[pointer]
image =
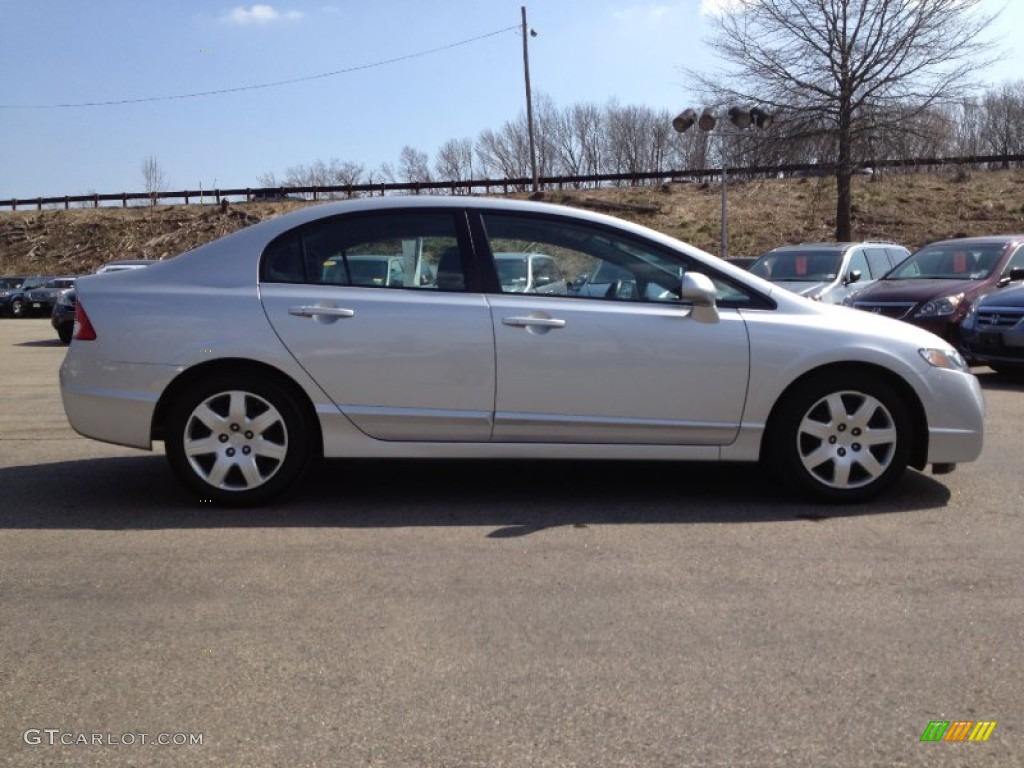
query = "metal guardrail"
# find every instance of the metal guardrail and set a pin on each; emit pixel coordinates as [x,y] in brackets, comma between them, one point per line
[487,186]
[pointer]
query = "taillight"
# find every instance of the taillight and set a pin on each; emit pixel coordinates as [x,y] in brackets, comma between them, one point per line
[83,328]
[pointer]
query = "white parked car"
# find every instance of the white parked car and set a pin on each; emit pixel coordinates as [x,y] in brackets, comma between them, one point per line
[248,359]
[828,272]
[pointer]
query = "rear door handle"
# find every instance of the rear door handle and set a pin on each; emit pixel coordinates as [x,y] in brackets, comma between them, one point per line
[314,311]
[536,322]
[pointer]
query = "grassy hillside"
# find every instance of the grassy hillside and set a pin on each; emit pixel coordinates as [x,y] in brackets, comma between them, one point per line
[912,209]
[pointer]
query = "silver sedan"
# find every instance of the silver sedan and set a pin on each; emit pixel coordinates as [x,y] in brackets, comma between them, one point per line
[254,354]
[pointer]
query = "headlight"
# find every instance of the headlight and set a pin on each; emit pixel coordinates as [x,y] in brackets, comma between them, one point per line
[944,306]
[944,358]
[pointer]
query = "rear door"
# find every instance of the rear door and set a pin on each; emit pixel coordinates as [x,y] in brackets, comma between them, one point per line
[411,359]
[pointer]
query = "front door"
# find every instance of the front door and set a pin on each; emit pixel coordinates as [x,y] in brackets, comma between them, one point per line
[626,362]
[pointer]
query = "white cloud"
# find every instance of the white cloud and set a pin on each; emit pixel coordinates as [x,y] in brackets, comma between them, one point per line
[259,14]
[718,7]
[648,12]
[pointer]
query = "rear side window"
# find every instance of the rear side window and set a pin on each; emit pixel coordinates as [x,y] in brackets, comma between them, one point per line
[409,250]
[879,261]
[859,263]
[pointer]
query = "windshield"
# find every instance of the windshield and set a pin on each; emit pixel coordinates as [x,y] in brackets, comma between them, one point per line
[953,261]
[803,266]
[34,282]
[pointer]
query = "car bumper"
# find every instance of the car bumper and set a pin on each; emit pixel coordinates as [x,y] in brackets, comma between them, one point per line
[955,409]
[62,319]
[999,347]
[122,415]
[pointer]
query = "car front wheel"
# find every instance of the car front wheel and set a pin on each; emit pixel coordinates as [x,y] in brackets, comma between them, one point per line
[17,308]
[841,437]
[237,440]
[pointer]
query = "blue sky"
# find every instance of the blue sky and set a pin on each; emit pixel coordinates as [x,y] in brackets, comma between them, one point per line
[74,51]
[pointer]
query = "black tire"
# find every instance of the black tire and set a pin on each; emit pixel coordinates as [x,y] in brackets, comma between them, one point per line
[243,467]
[18,308]
[842,436]
[64,333]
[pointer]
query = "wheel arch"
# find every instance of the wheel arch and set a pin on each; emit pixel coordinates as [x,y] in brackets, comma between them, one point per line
[919,447]
[234,366]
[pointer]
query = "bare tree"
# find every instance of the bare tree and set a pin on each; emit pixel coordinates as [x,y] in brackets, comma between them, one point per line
[455,160]
[413,165]
[154,178]
[267,179]
[840,68]
[505,152]
[1003,129]
[637,139]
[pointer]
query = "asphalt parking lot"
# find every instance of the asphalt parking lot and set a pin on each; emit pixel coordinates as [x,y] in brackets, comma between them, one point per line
[486,614]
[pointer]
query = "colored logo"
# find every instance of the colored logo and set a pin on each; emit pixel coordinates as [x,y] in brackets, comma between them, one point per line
[958,730]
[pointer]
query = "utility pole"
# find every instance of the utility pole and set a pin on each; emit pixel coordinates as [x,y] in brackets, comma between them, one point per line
[529,100]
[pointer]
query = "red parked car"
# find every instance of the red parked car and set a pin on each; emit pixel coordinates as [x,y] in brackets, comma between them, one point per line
[934,287]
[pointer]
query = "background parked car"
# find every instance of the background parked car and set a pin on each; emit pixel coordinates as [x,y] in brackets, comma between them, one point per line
[743,262]
[828,272]
[992,331]
[934,288]
[63,316]
[9,284]
[14,302]
[122,264]
[39,301]
[528,273]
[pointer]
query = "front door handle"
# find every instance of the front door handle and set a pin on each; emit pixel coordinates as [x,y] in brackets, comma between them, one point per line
[535,322]
[315,311]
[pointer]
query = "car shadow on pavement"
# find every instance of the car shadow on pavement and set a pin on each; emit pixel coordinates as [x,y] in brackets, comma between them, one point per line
[1003,382]
[513,497]
[41,343]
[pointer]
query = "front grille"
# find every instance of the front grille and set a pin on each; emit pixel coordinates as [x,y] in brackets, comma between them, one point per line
[1000,318]
[894,309]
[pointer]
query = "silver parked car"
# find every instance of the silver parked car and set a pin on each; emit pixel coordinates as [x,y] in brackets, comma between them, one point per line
[248,358]
[828,272]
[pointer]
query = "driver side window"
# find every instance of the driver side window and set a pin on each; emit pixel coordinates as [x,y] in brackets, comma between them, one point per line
[552,257]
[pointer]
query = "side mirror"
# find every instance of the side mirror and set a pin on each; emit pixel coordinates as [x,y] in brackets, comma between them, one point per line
[852,277]
[698,289]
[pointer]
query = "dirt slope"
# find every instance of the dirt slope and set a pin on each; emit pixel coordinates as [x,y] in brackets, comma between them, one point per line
[909,208]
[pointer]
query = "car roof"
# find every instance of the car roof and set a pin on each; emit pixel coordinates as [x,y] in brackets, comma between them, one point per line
[833,246]
[979,240]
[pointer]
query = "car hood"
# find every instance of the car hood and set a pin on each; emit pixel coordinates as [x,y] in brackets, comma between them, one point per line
[804,288]
[916,290]
[1006,297]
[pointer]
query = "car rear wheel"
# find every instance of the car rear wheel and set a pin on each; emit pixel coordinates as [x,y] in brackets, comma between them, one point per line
[237,440]
[64,333]
[841,437]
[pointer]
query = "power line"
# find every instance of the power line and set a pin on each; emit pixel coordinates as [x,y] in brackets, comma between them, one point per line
[263,85]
